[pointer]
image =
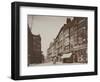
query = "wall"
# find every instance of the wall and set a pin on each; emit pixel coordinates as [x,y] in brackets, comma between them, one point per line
[5,40]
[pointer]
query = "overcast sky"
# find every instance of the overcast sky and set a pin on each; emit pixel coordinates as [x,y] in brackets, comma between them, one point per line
[48,28]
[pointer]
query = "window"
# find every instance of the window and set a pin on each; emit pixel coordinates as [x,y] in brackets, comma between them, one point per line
[75,39]
[82,35]
[66,48]
[66,41]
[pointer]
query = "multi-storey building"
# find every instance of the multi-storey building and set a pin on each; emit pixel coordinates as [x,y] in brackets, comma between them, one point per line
[78,39]
[30,45]
[71,41]
[60,45]
[51,52]
[35,55]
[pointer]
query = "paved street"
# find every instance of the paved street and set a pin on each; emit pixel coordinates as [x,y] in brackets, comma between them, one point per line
[48,63]
[57,63]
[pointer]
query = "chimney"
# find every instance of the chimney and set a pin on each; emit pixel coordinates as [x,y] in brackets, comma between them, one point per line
[68,20]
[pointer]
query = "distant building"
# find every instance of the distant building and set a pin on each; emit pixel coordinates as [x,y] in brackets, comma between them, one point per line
[50,52]
[70,45]
[35,55]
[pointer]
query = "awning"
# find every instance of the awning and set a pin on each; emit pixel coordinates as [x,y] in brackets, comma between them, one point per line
[66,55]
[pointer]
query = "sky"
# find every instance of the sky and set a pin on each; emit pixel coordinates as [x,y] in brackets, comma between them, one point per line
[47,26]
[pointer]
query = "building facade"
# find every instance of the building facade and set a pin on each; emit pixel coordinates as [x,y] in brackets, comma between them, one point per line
[78,39]
[35,55]
[70,45]
[51,52]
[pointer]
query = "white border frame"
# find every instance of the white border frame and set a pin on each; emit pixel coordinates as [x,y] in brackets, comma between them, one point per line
[39,70]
